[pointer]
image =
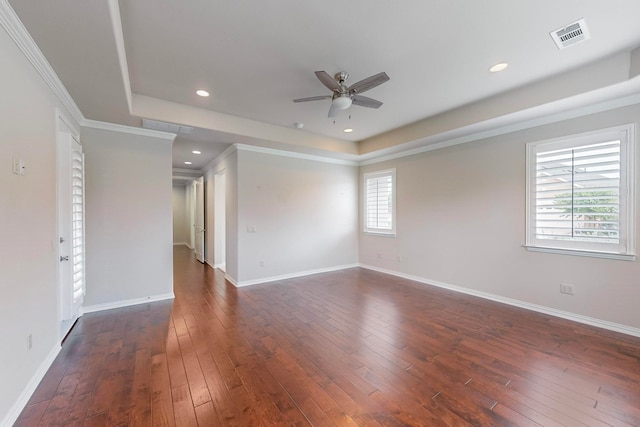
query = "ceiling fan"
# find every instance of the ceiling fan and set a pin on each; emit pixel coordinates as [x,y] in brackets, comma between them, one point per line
[344,96]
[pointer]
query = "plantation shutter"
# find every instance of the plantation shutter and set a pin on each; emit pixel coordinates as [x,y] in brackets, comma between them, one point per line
[77,222]
[379,202]
[578,193]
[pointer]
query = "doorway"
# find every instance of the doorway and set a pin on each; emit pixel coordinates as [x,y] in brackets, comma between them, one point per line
[199,229]
[71,236]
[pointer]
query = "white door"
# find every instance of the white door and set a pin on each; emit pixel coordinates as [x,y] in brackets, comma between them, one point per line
[70,228]
[199,219]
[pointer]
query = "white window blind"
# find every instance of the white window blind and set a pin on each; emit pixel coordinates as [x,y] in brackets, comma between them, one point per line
[379,209]
[579,193]
[77,222]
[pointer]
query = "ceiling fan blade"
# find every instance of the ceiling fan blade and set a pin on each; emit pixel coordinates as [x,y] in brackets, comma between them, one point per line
[368,83]
[365,101]
[313,98]
[332,111]
[327,80]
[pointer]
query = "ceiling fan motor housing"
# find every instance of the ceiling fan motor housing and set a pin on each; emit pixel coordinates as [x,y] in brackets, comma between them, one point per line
[341,77]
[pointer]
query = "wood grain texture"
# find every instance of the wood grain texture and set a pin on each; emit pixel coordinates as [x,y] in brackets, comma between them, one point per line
[348,348]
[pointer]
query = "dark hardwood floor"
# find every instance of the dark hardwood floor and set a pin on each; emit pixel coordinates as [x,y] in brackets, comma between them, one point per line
[348,348]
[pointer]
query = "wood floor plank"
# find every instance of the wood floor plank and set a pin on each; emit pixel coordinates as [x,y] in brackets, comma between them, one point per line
[345,348]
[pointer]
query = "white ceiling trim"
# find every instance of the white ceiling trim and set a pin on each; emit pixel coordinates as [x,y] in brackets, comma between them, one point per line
[590,103]
[167,111]
[303,156]
[116,23]
[16,30]
[213,163]
[94,124]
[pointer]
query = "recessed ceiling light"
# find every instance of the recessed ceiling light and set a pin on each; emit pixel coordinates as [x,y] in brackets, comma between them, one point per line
[498,67]
[298,125]
[196,152]
[202,93]
[188,163]
[348,130]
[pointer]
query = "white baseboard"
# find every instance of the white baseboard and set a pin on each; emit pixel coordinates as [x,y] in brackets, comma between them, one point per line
[28,391]
[230,280]
[181,243]
[293,275]
[126,303]
[592,321]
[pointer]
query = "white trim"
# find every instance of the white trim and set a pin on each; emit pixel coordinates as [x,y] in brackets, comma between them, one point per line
[574,252]
[116,26]
[11,23]
[230,280]
[625,248]
[295,155]
[476,131]
[180,244]
[292,275]
[75,127]
[126,303]
[604,324]
[95,124]
[576,106]
[23,399]
[213,163]
[365,202]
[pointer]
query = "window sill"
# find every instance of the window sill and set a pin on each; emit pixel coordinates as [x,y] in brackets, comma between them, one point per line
[380,233]
[607,255]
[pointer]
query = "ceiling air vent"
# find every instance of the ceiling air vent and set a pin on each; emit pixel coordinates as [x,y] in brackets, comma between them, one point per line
[166,127]
[571,34]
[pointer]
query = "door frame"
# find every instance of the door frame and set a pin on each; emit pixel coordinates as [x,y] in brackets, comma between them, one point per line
[219,220]
[64,127]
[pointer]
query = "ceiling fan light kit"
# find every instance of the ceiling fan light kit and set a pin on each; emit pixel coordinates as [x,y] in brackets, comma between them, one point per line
[343,97]
[342,102]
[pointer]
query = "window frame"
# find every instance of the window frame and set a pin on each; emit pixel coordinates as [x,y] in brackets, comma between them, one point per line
[625,249]
[374,230]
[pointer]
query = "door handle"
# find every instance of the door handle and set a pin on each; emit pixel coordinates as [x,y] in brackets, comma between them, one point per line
[64,258]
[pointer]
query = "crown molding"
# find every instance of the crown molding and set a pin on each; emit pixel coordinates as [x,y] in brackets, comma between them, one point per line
[485,130]
[213,163]
[16,30]
[295,155]
[94,124]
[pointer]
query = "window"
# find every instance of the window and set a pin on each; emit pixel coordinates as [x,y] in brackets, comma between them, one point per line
[580,194]
[380,202]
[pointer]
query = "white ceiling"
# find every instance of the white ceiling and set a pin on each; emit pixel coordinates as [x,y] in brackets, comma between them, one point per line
[255,57]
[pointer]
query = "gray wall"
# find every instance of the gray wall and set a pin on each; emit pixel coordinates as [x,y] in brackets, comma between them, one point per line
[461,222]
[180,220]
[304,212]
[128,216]
[28,229]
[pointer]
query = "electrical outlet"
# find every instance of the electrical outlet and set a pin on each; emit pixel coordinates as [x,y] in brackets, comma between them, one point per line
[30,342]
[565,288]
[262,263]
